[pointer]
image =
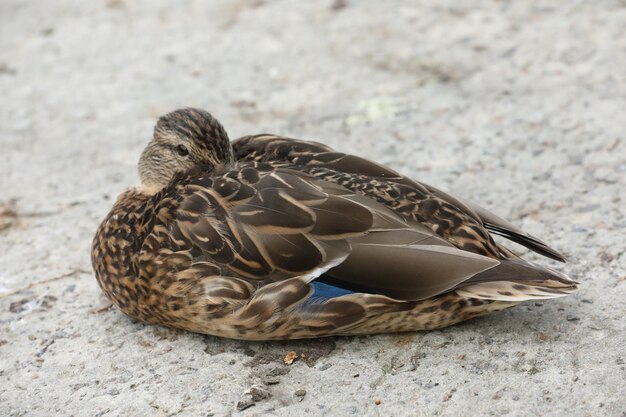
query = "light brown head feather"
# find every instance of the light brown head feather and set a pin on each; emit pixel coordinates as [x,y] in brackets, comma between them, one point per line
[183,140]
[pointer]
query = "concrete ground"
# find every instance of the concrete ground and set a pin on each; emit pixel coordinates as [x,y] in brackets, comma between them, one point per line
[517,105]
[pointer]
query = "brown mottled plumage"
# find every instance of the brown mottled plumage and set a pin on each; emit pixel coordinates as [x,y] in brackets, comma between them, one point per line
[276,238]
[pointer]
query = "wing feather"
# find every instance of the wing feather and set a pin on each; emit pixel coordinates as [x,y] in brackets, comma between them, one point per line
[276,148]
[498,225]
[278,224]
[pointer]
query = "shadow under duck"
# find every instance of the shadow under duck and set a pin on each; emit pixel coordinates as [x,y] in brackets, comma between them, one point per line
[274,238]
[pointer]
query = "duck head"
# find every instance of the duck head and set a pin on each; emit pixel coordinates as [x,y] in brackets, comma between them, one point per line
[183,140]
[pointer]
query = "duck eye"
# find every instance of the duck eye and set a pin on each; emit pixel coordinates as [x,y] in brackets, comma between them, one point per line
[182,150]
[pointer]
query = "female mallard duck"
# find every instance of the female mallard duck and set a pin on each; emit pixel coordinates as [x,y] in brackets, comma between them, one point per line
[276,238]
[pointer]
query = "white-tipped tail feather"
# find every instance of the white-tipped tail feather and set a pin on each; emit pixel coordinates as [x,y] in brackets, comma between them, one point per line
[518,291]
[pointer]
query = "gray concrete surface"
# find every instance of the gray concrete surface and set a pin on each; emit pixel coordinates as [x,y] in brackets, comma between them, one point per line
[518,105]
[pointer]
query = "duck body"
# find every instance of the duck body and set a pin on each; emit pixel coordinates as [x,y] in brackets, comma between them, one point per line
[289,239]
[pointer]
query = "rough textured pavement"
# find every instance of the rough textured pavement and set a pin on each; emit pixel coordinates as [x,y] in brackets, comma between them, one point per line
[517,105]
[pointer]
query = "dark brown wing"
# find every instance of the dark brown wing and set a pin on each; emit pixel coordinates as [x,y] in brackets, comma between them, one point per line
[498,225]
[267,224]
[267,147]
[464,224]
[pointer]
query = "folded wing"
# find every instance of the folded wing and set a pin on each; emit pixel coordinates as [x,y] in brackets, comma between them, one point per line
[275,224]
[317,156]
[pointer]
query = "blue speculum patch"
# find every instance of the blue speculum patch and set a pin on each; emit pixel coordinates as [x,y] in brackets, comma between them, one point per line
[323,291]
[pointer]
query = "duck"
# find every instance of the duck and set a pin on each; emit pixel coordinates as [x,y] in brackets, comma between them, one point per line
[268,237]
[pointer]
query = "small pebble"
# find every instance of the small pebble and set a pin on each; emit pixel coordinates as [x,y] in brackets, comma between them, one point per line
[244,402]
[271,381]
[272,376]
[18,306]
[300,394]
[571,317]
[251,396]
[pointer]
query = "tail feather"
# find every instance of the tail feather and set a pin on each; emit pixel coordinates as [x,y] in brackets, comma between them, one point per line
[517,270]
[518,291]
[517,280]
